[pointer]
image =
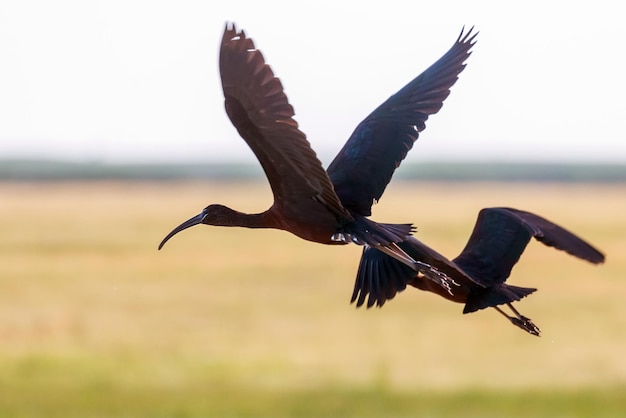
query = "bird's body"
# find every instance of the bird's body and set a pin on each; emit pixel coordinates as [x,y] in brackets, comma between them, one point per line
[480,271]
[328,207]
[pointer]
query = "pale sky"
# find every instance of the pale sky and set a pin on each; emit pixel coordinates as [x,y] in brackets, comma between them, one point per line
[138,81]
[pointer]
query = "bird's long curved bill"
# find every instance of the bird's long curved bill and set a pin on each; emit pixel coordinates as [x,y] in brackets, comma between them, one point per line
[187,224]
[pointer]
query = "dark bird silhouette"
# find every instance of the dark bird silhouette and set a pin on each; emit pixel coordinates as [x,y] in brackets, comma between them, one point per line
[328,207]
[479,272]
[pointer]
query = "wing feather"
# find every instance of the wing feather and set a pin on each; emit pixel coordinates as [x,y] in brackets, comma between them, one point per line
[362,169]
[258,107]
[501,235]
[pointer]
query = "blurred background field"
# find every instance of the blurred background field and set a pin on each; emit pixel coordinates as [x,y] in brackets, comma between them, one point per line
[94,321]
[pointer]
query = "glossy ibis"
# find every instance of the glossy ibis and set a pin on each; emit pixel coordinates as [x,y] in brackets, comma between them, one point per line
[480,271]
[328,207]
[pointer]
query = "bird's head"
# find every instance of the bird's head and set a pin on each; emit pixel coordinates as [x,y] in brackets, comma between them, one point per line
[211,215]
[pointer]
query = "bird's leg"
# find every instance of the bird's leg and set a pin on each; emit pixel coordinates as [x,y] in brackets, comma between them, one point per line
[527,324]
[520,320]
[429,272]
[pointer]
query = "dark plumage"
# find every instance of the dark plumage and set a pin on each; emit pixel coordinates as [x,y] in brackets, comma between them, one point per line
[479,272]
[328,207]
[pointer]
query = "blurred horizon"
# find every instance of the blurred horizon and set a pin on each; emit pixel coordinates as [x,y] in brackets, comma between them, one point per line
[439,171]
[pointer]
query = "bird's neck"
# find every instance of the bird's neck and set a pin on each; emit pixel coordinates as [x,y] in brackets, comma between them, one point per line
[231,217]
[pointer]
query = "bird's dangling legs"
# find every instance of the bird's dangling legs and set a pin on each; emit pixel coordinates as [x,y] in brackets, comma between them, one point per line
[520,320]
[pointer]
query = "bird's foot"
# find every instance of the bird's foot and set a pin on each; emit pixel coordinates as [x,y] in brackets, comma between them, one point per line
[526,324]
[439,277]
[520,320]
[447,283]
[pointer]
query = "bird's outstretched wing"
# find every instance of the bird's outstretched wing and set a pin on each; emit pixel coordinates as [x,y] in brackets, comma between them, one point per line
[259,109]
[362,169]
[500,236]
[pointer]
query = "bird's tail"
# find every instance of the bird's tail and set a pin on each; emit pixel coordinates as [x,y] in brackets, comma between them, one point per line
[365,231]
[495,295]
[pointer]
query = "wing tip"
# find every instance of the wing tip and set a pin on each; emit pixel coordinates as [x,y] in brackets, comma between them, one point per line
[579,247]
[468,37]
[230,29]
[596,257]
[232,33]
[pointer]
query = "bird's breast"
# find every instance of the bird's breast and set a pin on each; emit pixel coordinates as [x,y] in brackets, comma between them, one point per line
[320,233]
[314,223]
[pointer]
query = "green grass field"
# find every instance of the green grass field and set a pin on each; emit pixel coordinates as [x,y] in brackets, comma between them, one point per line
[228,322]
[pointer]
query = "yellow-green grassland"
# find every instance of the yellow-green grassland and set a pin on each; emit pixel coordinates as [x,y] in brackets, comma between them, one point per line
[232,322]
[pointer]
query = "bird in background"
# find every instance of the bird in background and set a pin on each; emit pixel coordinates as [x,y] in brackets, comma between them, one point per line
[327,206]
[498,240]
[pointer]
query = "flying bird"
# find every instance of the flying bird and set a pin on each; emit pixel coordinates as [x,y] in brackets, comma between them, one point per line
[479,273]
[326,206]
